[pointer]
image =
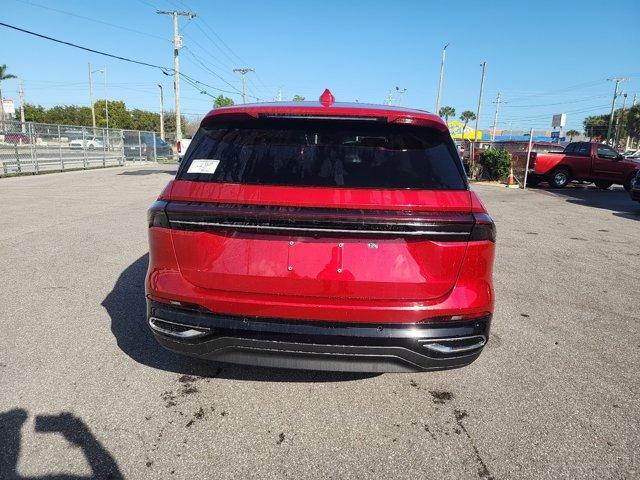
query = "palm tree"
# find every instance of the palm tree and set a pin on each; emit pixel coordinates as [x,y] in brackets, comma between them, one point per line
[572,133]
[466,117]
[447,112]
[3,76]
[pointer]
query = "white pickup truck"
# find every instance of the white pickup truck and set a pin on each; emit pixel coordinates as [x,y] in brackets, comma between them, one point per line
[182,146]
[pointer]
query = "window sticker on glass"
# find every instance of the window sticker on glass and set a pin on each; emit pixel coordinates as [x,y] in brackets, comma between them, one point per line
[203,166]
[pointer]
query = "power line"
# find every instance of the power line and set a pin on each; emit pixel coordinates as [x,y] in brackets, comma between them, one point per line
[165,70]
[559,103]
[212,72]
[243,72]
[97,52]
[218,37]
[617,81]
[113,25]
[592,83]
[177,45]
[215,43]
[226,45]
[535,117]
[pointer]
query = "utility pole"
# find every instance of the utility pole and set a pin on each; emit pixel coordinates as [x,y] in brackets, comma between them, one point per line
[617,81]
[401,92]
[243,72]
[389,98]
[177,45]
[495,118]
[161,112]
[438,95]
[21,104]
[620,118]
[106,102]
[484,66]
[93,110]
[633,104]
[279,97]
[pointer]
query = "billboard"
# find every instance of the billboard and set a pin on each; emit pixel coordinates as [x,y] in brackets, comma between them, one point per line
[559,120]
[455,127]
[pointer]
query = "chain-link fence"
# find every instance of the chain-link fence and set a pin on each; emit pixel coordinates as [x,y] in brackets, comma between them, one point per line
[518,150]
[36,147]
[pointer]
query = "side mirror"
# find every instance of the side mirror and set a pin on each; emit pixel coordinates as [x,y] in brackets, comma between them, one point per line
[620,157]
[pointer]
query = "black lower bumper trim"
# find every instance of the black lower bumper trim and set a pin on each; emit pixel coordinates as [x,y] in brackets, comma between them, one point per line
[315,345]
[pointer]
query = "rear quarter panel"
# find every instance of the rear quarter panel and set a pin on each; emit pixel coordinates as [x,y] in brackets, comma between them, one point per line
[546,162]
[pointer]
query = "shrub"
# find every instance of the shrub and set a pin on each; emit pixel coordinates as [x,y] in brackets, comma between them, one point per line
[495,163]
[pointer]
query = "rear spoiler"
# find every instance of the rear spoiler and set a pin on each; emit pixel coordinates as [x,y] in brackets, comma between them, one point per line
[400,118]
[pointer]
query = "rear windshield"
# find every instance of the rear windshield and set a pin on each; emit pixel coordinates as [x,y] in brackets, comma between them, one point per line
[322,153]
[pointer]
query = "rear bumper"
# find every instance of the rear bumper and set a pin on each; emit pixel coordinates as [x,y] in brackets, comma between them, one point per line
[335,346]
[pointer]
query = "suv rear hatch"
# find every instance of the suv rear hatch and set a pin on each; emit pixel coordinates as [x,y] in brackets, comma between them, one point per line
[348,208]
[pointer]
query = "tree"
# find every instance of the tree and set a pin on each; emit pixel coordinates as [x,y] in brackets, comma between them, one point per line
[143,120]
[595,126]
[466,117]
[170,121]
[119,116]
[222,101]
[447,112]
[298,98]
[68,115]
[35,113]
[3,76]
[571,134]
[633,122]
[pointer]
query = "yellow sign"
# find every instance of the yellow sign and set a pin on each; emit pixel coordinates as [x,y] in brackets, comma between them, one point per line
[455,127]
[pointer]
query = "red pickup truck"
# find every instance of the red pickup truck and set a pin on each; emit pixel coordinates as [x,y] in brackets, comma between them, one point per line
[592,162]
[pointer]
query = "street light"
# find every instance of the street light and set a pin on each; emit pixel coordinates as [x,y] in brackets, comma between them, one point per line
[400,94]
[106,103]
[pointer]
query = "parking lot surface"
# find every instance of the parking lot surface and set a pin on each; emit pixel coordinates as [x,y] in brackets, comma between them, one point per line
[87,392]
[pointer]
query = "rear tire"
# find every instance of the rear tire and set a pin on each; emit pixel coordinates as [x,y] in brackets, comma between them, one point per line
[603,185]
[559,178]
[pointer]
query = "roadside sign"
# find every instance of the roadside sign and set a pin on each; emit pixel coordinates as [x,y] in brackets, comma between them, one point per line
[9,109]
[559,120]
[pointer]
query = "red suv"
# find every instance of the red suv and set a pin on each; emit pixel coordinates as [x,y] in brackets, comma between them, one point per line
[325,236]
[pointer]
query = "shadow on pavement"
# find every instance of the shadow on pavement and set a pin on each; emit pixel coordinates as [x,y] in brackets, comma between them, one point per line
[126,306]
[73,429]
[147,172]
[617,200]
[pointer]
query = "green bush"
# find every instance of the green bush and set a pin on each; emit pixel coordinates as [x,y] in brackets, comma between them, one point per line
[495,163]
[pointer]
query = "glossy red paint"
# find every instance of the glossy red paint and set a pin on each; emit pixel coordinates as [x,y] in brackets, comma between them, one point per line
[331,278]
[392,114]
[472,294]
[366,199]
[590,166]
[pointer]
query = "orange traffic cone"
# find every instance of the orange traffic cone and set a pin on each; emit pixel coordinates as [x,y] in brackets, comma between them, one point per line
[511,180]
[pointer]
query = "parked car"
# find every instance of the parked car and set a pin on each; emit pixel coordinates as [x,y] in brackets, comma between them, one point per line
[140,146]
[630,153]
[635,188]
[634,155]
[17,138]
[87,144]
[181,147]
[584,161]
[321,235]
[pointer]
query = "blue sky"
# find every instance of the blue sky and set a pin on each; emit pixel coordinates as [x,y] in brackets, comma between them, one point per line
[544,57]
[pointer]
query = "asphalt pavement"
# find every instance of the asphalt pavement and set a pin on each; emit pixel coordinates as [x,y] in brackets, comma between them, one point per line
[87,393]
